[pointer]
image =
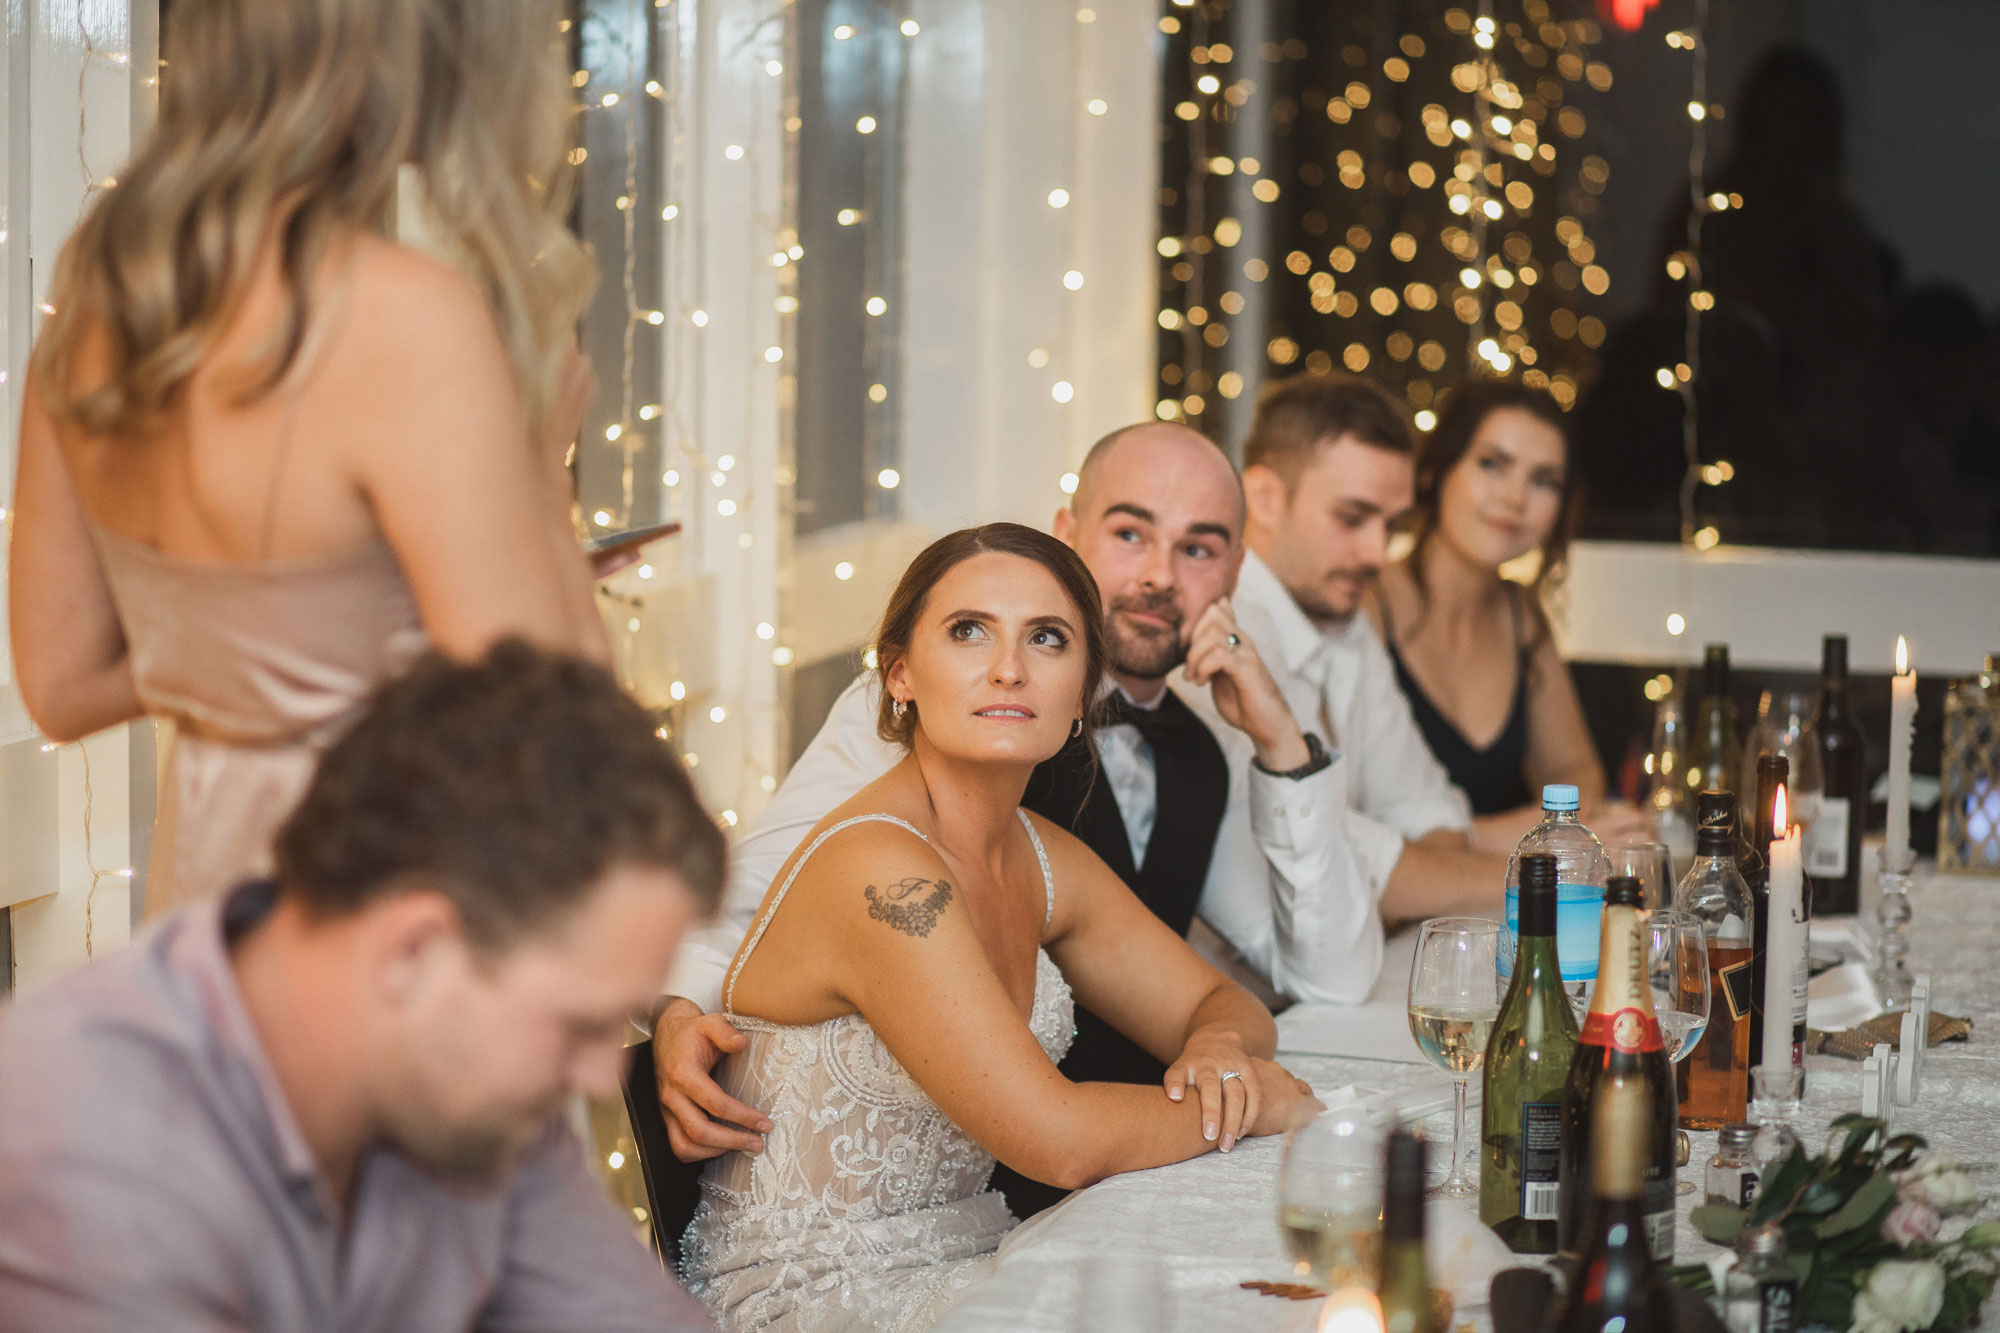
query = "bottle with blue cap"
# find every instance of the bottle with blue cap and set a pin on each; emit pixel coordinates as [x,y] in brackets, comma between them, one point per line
[1581,871]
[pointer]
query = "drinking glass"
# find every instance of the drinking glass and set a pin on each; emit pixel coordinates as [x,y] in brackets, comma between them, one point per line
[1651,863]
[1454,998]
[1781,729]
[1330,1199]
[1677,974]
[1668,799]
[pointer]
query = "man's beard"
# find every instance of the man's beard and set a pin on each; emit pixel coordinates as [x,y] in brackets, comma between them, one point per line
[474,1157]
[1149,654]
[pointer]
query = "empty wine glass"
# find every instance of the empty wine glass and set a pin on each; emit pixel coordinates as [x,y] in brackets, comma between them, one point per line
[1330,1199]
[1650,863]
[1677,974]
[1454,998]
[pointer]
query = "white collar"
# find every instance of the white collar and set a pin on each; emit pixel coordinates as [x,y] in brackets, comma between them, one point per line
[1299,637]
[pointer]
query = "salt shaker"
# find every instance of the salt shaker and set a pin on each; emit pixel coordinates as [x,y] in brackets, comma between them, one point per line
[1732,1176]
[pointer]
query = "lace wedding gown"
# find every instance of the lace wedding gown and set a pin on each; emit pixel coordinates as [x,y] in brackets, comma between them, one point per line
[868,1208]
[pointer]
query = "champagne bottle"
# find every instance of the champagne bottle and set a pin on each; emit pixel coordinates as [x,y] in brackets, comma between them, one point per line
[1404,1288]
[1715,1079]
[1772,772]
[1618,1288]
[1716,753]
[1833,840]
[1527,1064]
[1620,1045]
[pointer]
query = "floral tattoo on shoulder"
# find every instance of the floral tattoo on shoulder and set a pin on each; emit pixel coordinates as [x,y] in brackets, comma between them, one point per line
[909,905]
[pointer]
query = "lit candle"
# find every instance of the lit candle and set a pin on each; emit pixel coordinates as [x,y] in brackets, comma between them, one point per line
[1896,854]
[1782,942]
[1351,1310]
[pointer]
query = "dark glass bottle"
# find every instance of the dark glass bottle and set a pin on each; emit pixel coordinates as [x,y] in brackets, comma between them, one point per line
[1620,1045]
[1404,1288]
[1833,841]
[1772,771]
[1715,756]
[1527,1063]
[1618,1287]
[1715,1078]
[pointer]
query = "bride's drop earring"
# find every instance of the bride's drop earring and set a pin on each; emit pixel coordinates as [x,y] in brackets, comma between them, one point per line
[1076,728]
[899,707]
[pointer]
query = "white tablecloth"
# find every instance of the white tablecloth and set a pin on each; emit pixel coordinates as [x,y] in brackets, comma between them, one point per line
[1199,1228]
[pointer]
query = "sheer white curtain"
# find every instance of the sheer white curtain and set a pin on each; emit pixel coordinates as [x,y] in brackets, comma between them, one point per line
[75,86]
[1016,284]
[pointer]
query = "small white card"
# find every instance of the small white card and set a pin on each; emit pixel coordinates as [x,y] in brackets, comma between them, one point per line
[1910,1062]
[1885,1079]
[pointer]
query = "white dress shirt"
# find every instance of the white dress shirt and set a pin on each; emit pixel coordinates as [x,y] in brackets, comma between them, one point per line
[1273,848]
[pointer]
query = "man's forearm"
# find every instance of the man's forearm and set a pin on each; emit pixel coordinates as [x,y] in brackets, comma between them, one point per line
[1433,881]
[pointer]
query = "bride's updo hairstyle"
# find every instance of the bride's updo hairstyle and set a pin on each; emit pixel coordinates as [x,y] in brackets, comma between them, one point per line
[906,608]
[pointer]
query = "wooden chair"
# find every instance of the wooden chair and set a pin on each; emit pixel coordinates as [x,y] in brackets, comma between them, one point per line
[673,1188]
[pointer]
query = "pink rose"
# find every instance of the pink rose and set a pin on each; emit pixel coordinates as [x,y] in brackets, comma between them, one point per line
[1912,1222]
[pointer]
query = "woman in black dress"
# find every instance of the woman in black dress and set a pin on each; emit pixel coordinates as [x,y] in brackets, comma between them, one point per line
[1496,490]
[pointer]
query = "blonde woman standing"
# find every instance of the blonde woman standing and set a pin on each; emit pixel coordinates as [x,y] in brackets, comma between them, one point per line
[268,454]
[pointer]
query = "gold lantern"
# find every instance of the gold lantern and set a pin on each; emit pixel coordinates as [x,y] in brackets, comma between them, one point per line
[1969,814]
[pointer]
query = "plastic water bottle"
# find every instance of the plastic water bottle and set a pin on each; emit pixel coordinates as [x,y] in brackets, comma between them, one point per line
[1581,870]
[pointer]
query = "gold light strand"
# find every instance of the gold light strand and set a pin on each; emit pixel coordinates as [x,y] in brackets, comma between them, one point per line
[1683,377]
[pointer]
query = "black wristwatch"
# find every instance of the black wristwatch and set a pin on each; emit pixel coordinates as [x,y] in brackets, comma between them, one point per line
[1316,759]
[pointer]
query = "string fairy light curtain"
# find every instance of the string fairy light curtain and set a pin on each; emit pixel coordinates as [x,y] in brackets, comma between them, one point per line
[1406,190]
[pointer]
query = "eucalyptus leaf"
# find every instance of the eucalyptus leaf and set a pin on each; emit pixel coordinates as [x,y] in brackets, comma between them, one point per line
[1864,1206]
[1718,1223]
[1775,1194]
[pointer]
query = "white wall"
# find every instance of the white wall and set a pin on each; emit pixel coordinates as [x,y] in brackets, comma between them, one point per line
[71,829]
[1771,607]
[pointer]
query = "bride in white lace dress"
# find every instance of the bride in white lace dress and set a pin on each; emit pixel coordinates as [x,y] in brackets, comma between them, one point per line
[904,993]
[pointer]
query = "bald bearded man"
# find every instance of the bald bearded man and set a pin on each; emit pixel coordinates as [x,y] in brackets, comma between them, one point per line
[1238,819]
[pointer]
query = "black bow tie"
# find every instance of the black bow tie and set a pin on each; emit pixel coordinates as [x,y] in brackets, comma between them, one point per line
[1153,723]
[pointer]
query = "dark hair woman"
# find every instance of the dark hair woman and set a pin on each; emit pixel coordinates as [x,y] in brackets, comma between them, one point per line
[1496,485]
[906,991]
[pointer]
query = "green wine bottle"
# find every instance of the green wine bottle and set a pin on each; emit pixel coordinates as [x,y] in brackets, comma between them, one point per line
[1404,1288]
[1527,1066]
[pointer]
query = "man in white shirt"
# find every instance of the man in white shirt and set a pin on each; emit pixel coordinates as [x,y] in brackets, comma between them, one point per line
[1248,814]
[1328,470]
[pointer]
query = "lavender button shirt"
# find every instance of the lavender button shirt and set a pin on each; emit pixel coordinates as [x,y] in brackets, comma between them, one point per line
[153,1177]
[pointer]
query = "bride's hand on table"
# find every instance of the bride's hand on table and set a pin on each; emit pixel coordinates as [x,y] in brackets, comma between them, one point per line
[1264,1098]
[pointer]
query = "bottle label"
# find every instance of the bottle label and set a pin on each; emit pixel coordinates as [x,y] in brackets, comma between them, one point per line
[1579,913]
[1777,1307]
[1629,1030]
[1660,1230]
[1735,986]
[1541,1160]
[1826,840]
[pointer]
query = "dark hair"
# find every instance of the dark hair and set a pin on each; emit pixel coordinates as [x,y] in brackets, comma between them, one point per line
[1296,416]
[906,607]
[511,784]
[1463,411]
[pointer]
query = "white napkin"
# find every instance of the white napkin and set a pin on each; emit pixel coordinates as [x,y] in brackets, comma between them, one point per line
[1378,1030]
[1841,998]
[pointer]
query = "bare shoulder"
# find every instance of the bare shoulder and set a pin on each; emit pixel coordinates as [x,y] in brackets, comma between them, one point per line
[416,315]
[877,876]
[1079,873]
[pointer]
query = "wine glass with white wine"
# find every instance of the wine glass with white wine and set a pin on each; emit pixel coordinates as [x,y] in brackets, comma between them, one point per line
[1454,998]
[1677,972]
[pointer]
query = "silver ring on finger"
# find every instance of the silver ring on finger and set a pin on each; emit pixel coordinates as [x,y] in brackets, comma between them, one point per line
[1235,641]
[1228,1074]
